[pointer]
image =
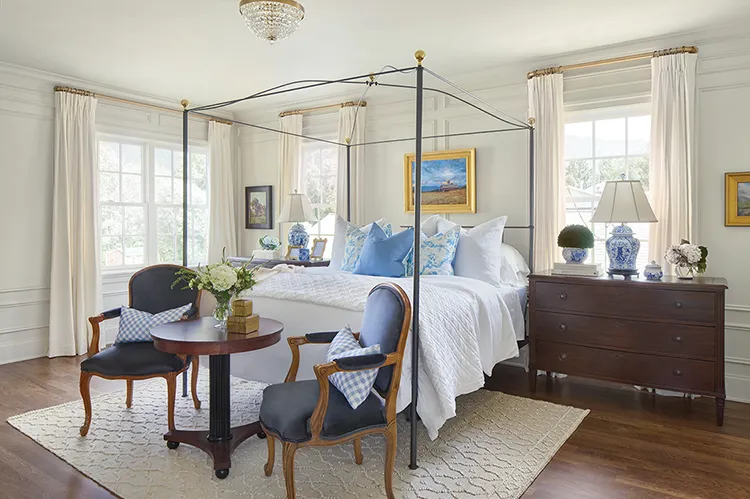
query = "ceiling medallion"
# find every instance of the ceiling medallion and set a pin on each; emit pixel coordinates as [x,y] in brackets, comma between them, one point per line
[272,20]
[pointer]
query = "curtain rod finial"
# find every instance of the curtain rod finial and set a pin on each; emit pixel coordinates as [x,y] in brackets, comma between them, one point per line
[532,121]
[419,55]
[348,141]
[184,103]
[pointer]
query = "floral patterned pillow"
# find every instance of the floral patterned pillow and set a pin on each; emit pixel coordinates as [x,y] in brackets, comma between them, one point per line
[355,240]
[436,255]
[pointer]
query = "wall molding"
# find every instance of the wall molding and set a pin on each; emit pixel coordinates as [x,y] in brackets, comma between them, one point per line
[737,308]
[22,328]
[23,290]
[24,303]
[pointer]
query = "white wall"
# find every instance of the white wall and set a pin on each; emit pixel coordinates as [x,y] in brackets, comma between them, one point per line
[722,145]
[26,148]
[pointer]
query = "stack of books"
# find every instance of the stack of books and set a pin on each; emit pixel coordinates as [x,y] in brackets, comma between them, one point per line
[585,269]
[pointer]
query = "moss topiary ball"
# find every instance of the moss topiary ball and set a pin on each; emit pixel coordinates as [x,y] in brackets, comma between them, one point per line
[575,236]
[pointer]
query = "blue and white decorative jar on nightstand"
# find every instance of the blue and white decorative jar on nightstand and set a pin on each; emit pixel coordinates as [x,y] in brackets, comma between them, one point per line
[575,255]
[304,254]
[622,249]
[653,271]
[298,236]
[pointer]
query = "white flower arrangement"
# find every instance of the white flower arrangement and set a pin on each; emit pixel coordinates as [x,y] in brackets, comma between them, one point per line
[686,254]
[269,242]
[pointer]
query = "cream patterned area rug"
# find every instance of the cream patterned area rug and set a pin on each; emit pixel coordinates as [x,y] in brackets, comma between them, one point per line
[495,448]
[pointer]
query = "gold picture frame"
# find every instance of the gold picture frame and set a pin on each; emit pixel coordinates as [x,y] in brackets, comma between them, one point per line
[449,182]
[292,252]
[318,248]
[737,199]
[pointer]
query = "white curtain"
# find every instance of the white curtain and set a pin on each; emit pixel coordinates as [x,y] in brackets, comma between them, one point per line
[352,127]
[75,280]
[290,147]
[672,173]
[222,226]
[546,107]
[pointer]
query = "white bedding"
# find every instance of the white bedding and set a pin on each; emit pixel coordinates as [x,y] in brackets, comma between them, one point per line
[466,328]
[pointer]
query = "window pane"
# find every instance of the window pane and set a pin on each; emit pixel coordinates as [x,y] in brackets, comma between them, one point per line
[610,137]
[329,161]
[165,248]
[111,251]
[579,140]
[165,221]
[608,169]
[132,157]
[198,224]
[638,170]
[109,187]
[328,190]
[163,162]
[177,190]
[177,164]
[163,190]
[197,165]
[639,135]
[313,189]
[111,220]
[135,221]
[579,174]
[135,253]
[109,156]
[198,191]
[132,189]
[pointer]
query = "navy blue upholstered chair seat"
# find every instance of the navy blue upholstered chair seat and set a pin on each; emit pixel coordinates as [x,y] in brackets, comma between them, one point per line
[312,413]
[133,359]
[288,407]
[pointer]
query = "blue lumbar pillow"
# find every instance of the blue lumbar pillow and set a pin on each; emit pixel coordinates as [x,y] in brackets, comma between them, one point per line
[354,385]
[135,325]
[384,256]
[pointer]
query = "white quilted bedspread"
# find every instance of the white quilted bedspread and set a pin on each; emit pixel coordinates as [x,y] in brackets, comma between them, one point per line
[465,329]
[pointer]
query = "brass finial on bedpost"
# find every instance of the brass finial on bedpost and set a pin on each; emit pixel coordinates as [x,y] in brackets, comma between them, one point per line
[348,141]
[419,55]
[184,103]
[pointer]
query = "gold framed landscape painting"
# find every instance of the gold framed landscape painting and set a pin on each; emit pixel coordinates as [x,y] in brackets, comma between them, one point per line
[737,199]
[449,183]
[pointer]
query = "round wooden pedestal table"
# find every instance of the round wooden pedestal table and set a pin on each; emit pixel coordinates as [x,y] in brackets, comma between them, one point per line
[201,337]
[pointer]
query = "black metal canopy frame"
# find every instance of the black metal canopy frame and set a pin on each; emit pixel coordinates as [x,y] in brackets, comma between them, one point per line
[371,80]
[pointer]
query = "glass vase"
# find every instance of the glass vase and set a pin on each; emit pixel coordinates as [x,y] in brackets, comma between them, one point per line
[685,271]
[222,311]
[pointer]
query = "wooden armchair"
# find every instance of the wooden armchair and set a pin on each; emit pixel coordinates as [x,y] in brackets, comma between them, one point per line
[149,290]
[315,413]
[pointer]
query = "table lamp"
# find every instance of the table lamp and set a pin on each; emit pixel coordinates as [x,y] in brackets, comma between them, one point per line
[297,209]
[623,201]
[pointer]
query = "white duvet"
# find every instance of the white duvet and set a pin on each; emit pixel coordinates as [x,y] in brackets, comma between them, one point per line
[466,328]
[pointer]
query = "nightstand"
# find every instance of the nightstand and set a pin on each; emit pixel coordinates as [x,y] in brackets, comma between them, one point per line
[238,260]
[661,334]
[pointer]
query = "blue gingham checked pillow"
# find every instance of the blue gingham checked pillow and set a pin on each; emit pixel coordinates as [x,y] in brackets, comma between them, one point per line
[354,385]
[135,325]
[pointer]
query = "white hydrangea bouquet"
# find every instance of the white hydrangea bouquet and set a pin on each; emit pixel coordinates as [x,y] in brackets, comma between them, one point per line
[687,258]
[223,280]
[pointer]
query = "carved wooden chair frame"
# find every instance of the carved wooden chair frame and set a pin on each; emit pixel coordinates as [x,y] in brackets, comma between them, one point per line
[322,372]
[171,378]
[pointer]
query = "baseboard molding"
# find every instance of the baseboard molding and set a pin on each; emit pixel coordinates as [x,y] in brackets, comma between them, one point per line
[738,388]
[19,351]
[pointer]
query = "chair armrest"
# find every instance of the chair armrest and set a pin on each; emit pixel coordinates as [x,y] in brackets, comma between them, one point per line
[320,338]
[95,331]
[111,314]
[360,362]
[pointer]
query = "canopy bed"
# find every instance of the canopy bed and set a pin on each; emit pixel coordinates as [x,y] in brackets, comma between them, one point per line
[506,124]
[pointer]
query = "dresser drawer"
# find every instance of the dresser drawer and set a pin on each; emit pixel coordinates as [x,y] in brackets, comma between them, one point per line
[634,301]
[636,368]
[645,337]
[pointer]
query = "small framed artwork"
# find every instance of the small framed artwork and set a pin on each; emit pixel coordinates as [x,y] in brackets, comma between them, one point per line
[449,183]
[292,252]
[318,248]
[259,207]
[737,199]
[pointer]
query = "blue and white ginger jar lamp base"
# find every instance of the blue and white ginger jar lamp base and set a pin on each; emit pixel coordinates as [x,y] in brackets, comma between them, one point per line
[298,236]
[575,255]
[622,248]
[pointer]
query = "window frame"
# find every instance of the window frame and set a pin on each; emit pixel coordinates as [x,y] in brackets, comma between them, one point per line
[314,230]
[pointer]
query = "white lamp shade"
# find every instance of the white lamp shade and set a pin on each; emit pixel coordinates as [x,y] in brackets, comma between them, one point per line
[296,209]
[624,201]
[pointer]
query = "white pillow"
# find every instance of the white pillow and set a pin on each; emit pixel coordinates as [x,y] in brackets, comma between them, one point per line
[515,271]
[429,225]
[479,254]
[339,239]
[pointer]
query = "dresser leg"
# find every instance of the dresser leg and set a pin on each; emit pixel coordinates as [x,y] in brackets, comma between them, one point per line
[532,379]
[719,411]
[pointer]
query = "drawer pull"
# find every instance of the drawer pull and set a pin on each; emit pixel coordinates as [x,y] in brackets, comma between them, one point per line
[563,327]
[562,356]
[677,372]
[563,296]
[678,304]
[678,339]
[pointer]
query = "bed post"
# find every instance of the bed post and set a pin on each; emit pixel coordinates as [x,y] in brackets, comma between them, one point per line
[531,193]
[419,55]
[185,115]
[348,180]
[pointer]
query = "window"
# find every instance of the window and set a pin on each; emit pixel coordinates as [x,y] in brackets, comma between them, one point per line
[319,171]
[140,203]
[598,150]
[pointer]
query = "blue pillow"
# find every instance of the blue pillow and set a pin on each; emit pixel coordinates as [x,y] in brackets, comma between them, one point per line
[135,325]
[355,239]
[384,256]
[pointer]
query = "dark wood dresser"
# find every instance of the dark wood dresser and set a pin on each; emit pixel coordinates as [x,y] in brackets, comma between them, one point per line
[661,334]
[238,261]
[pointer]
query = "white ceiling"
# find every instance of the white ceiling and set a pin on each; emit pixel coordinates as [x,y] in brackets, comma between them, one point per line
[201,49]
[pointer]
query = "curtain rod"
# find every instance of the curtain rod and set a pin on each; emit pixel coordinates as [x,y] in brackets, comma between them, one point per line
[613,60]
[78,91]
[320,108]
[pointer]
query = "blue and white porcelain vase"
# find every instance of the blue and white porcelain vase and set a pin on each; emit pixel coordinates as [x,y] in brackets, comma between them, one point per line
[575,255]
[298,236]
[622,249]
[304,254]
[653,271]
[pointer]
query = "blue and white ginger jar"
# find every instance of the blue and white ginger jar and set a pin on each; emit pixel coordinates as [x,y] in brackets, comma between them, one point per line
[653,271]
[575,255]
[622,248]
[298,236]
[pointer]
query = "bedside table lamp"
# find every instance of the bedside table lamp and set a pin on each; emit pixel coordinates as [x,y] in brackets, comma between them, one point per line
[623,201]
[297,209]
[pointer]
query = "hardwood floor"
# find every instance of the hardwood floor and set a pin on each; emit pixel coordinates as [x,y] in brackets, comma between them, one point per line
[632,445]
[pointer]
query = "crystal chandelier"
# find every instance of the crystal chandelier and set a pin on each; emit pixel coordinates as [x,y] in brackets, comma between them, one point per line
[272,20]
